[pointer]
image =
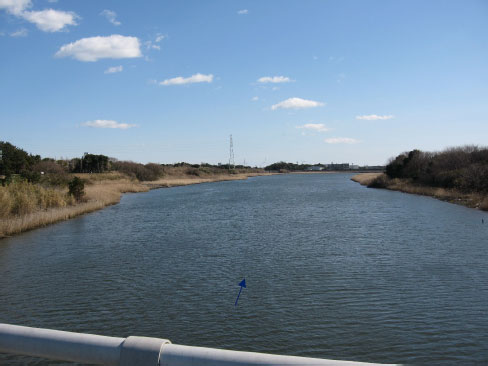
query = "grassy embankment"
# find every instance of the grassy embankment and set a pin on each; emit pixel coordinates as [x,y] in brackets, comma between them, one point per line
[381,180]
[25,206]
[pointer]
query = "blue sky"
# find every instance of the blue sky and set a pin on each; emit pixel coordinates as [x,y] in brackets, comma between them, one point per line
[307,81]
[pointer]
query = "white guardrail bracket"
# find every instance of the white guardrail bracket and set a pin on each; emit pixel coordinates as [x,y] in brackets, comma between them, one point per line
[141,351]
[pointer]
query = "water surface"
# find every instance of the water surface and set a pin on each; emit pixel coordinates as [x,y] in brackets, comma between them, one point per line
[333,270]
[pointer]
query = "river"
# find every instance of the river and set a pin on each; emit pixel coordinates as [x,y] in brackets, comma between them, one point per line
[333,270]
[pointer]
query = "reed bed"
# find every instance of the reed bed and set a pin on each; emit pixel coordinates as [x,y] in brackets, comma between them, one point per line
[25,206]
[174,181]
[365,178]
[381,180]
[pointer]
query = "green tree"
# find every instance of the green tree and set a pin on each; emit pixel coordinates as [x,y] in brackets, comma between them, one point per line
[77,188]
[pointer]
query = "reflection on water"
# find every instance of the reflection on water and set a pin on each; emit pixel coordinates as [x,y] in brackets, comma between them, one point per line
[333,270]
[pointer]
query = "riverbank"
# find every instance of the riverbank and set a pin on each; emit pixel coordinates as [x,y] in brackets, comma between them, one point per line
[102,190]
[380,180]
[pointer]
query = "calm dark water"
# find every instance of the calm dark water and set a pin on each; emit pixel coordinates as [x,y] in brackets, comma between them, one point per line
[333,270]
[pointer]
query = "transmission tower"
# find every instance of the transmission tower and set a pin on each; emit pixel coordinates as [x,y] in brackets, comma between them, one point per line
[231,154]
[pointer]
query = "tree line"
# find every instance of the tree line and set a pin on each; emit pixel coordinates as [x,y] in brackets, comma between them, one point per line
[33,168]
[463,168]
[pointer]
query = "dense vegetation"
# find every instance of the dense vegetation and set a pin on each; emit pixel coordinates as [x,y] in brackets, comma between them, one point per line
[462,168]
[16,163]
[31,184]
[283,166]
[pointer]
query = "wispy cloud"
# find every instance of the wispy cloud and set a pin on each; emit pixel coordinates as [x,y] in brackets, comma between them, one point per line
[95,48]
[197,78]
[111,16]
[114,69]
[255,99]
[151,45]
[341,140]
[296,103]
[19,33]
[103,123]
[243,12]
[340,77]
[319,127]
[374,117]
[274,79]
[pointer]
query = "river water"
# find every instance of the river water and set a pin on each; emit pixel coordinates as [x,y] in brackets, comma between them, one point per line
[333,270]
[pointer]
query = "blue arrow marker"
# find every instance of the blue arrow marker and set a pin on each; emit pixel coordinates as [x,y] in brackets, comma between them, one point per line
[242,284]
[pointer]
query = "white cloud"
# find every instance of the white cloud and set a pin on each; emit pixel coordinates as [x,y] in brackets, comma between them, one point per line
[95,48]
[113,69]
[255,99]
[15,7]
[50,20]
[111,16]
[341,140]
[20,33]
[319,127]
[296,103]
[103,123]
[274,79]
[159,37]
[374,117]
[243,12]
[197,78]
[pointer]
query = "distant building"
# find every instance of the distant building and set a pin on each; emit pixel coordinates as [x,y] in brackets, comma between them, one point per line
[343,166]
[315,168]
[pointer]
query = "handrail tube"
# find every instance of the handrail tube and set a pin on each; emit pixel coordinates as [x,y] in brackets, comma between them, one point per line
[60,345]
[136,351]
[178,355]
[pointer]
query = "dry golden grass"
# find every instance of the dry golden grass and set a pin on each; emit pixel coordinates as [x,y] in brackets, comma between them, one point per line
[365,178]
[474,200]
[101,190]
[174,181]
[42,206]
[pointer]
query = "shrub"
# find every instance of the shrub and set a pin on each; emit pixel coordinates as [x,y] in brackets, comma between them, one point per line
[380,181]
[141,172]
[77,188]
[193,171]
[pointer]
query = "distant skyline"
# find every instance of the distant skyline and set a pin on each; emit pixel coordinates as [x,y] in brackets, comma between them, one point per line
[299,81]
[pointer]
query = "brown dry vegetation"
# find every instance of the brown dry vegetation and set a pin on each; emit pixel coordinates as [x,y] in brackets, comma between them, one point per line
[381,180]
[25,206]
[365,178]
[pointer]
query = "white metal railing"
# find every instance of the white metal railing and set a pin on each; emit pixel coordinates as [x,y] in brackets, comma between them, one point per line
[135,351]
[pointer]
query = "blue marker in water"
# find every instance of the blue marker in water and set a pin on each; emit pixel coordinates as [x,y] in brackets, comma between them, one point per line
[242,284]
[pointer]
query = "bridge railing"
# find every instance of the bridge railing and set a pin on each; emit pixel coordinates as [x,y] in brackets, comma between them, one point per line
[135,351]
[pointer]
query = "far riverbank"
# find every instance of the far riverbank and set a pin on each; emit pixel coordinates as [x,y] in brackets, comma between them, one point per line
[380,180]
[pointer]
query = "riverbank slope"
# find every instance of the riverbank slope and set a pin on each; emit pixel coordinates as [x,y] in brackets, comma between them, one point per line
[102,190]
[381,180]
